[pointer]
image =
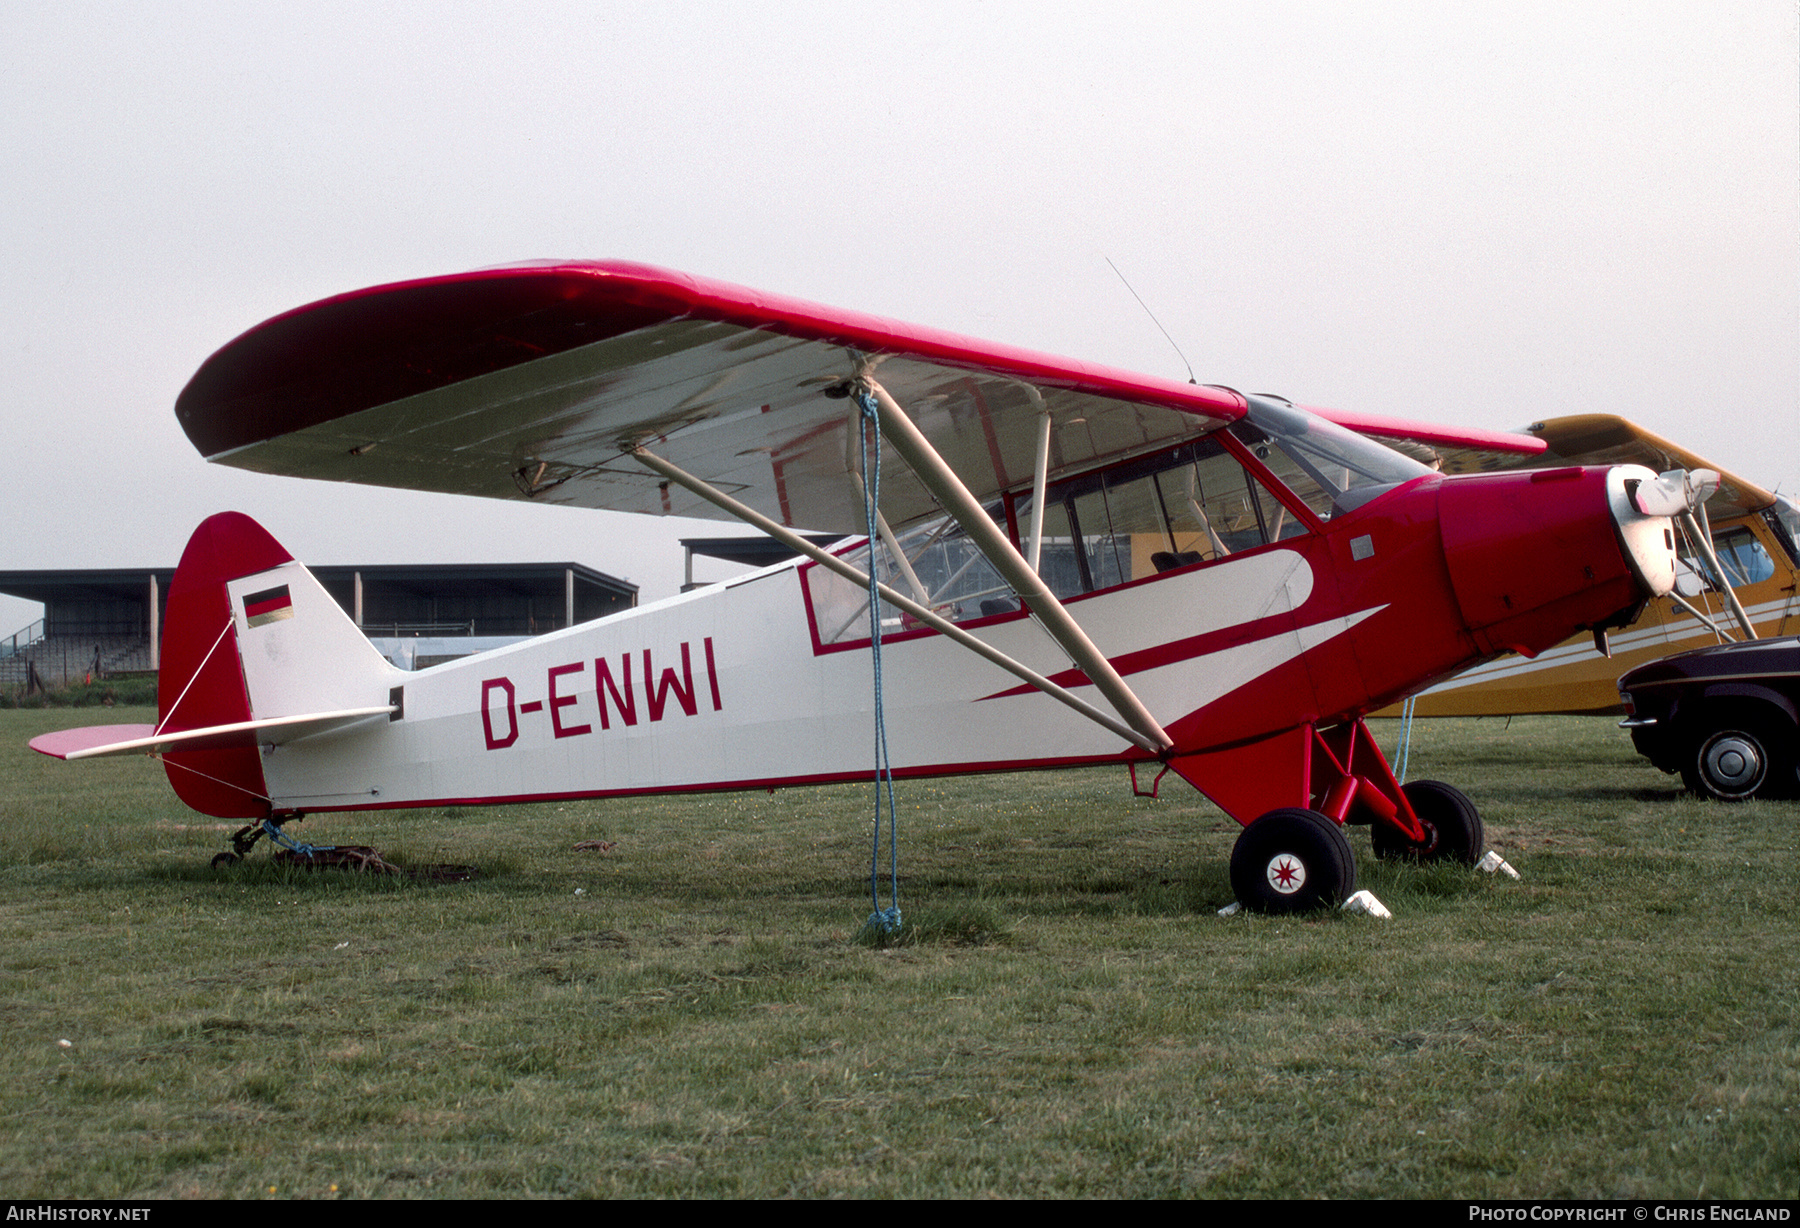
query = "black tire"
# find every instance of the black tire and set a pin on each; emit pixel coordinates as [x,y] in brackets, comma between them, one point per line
[1452,826]
[1292,860]
[225,859]
[1739,755]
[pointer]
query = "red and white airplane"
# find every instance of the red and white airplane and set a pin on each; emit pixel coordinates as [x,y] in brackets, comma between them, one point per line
[1078,565]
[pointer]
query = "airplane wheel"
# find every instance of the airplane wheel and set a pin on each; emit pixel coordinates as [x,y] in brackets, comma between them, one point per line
[225,859]
[1452,826]
[1738,758]
[1292,860]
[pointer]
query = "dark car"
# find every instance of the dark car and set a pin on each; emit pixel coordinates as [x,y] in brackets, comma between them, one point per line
[1725,717]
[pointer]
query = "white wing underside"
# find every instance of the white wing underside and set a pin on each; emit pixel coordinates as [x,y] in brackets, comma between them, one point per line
[746,408]
[538,382]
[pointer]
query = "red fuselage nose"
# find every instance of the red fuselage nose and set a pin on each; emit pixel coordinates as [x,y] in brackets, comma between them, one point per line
[1534,557]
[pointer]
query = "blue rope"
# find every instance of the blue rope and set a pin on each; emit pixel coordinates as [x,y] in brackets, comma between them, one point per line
[882,920]
[1406,720]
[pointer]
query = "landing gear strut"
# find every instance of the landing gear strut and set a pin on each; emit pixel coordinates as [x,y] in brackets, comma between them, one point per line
[1452,826]
[244,839]
[1297,857]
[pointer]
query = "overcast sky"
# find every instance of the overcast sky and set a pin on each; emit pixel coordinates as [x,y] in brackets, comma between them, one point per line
[1482,214]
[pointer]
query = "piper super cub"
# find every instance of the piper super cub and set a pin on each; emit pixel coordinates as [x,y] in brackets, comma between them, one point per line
[1075,565]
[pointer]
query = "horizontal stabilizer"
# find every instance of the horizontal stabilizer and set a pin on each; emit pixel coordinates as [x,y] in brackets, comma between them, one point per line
[96,741]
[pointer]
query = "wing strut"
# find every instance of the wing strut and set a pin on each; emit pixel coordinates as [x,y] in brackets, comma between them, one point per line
[1719,633]
[888,539]
[1682,494]
[1703,542]
[1040,475]
[955,498]
[793,541]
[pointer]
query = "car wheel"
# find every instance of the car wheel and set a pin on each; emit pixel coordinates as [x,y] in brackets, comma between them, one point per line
[1292,860]
[1452,826]
[1741,756]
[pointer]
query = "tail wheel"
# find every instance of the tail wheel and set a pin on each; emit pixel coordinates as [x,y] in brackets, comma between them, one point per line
[1292,860]
[1452,826]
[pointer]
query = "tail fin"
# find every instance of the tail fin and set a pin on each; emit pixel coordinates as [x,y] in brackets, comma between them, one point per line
[250,636]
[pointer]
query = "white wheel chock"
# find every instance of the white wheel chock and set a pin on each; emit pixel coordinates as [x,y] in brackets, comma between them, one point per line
[1365,902]
[1494,863]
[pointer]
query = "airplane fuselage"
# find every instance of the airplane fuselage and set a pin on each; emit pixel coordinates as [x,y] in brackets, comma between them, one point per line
[736,686]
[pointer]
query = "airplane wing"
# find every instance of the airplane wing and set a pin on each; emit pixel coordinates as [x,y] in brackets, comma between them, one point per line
[1603,439]
[537,381]
[1580,439]
[1448,449]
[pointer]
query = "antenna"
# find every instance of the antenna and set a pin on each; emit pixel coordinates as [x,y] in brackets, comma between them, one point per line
[1155,321]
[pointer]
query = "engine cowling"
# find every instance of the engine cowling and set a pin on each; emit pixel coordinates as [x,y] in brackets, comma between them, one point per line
[1533,555]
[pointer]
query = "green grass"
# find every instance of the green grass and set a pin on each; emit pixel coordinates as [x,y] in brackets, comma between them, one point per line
[688,1014]
[118,691]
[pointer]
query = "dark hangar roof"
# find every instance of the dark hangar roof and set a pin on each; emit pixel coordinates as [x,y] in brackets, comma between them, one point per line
[497,598]
[757,551]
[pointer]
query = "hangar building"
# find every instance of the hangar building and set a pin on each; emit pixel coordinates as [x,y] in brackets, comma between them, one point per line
[108,621]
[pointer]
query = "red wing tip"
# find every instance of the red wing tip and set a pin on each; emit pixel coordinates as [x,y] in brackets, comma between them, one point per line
[64,742]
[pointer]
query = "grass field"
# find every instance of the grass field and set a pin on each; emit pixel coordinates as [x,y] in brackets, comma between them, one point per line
[686,1014]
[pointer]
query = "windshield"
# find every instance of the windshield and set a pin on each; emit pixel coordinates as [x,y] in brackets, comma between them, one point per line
[1784,518]
[1331,467]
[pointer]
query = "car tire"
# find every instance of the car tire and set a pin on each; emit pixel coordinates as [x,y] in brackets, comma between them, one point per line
[1737,755]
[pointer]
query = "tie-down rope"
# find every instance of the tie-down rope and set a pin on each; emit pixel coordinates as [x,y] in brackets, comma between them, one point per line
[883,921]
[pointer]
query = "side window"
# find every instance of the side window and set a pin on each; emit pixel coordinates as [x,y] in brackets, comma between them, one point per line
[1192,504]
[1058,566]
[1743,557]
[1098,551]
[1282,524]
[938,566]
[1195,504]
[1215,509]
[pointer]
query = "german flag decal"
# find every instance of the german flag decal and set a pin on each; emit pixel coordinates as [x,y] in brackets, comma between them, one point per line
[269,606]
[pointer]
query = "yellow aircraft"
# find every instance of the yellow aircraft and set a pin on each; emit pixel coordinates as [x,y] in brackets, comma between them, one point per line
[1749,580]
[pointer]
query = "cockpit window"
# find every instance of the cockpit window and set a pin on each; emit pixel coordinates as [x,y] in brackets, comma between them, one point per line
[1191,504]
[1744,559]
[1332,468]
[1784,518]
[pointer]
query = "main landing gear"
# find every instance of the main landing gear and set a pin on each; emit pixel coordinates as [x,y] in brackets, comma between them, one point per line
[1297,858]
[1452,826]
[1292,860]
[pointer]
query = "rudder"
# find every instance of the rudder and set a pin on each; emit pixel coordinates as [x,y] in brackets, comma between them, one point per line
[249,634]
